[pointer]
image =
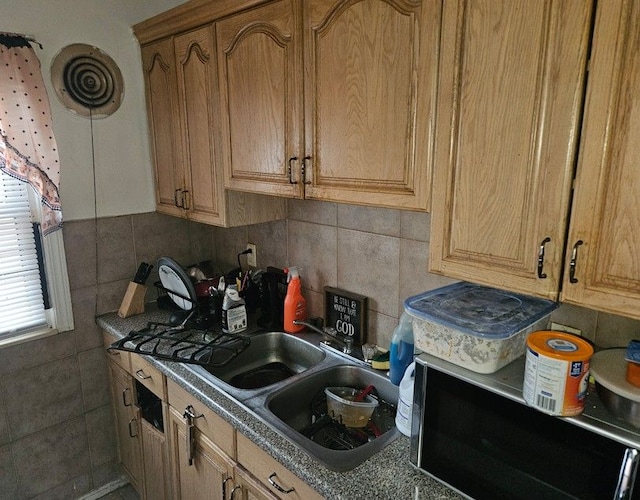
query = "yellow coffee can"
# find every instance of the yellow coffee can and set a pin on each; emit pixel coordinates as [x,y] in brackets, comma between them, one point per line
[556,372]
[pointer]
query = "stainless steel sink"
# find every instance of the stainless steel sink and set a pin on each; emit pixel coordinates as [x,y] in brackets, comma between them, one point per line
[270,358]
[293,411]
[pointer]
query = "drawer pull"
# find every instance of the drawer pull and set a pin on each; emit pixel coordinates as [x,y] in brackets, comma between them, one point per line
[273,483]
[224,487]
[131,434]
[304,169]
[124,397]
[141,375]
[233,491]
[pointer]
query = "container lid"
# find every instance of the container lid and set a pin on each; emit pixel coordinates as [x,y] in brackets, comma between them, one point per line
[559,345]
[479,310]
[608,367]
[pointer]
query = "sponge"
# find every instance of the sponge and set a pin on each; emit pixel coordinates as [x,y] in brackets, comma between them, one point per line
[380,361]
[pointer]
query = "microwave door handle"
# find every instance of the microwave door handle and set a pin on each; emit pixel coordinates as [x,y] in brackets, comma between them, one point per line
[627,476]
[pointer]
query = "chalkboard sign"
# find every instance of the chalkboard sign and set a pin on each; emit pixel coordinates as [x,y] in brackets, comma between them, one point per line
[346,312]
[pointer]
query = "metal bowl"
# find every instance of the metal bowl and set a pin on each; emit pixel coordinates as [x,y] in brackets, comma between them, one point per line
[623,408]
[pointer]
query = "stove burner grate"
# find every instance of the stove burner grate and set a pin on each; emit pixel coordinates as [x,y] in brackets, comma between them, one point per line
[184,345]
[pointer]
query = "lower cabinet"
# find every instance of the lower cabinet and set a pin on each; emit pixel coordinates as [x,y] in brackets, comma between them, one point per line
[127,424]
[173,446]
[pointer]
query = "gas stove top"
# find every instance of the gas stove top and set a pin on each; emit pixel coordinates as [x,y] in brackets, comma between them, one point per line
[184,344]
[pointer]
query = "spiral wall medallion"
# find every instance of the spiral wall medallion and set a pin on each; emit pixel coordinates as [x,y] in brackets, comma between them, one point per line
[87,81]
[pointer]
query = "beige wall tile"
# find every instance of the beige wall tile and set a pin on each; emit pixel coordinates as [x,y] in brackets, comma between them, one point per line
[312,248]
[576,317]
[318,212]
[415,225]
[48,394]
[229,243]
[271,239]
[37,352]
[52,457]
[80,249]
[116,258]
[369,264]
[381,329]
[369,219]
[94,378]
[8,475]
[615,331]
[86,333]
[100,433]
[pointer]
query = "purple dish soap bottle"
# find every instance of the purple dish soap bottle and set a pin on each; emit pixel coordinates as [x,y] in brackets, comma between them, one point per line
[401,349]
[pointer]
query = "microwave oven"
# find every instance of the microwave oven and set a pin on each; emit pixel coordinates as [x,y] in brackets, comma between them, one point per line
[475,433]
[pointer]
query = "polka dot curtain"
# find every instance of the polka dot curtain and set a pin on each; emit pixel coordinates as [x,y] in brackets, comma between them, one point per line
[28,149]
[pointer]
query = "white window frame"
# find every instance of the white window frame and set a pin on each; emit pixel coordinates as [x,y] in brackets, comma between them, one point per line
[60,314]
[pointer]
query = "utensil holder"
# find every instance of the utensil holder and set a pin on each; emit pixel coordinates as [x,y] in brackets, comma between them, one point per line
[133,301]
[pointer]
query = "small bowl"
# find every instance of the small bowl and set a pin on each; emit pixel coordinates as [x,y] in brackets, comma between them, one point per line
[342,407]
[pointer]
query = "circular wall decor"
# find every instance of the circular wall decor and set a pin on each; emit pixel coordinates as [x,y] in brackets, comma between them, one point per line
[87,81]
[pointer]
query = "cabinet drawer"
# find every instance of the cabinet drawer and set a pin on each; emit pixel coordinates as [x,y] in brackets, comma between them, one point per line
[218,430]
[149,376]
[263,467]
[120,358]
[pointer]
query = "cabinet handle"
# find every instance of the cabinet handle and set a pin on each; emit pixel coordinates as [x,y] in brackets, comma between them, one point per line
[542,275]
[290,170]
[233,491]
[273,483]
[189,415]
[131,434]
[186,200]
[175,198]
[224,487]
[572,264]
[303,169]
[124,397]
[141,375]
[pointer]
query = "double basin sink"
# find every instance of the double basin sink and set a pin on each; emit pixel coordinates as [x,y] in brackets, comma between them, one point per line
[281,378]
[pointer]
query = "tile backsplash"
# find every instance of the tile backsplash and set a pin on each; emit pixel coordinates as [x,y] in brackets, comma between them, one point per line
[56,429]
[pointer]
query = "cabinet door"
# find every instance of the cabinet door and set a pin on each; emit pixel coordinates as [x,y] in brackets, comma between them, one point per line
[510,93]
[260,95]
[370,80]
[205,476]
[157,472]
[127,422]
[158,61]
[606,210]
[195,61]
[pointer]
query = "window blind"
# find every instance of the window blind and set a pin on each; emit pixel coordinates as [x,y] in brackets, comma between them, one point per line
[21,298]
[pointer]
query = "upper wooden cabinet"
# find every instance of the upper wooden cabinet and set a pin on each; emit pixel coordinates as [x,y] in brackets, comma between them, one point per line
[504,173]
[605,219]
[180,78]
[330,99]
[512,76]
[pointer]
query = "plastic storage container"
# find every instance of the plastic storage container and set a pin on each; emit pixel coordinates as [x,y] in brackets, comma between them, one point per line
[342,407]
[477,327]
[401,349]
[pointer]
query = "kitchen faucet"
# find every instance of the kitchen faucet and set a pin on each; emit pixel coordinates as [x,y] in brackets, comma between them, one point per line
[330,335]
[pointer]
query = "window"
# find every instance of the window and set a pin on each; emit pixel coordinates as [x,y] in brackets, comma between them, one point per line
[34,286]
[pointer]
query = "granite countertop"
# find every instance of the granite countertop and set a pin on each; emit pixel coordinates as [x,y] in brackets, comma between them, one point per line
[387,474]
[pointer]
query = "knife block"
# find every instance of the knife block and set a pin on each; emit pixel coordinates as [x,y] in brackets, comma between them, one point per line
[133,301]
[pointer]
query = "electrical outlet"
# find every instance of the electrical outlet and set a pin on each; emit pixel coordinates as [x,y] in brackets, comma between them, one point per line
[252,257]
[564,328]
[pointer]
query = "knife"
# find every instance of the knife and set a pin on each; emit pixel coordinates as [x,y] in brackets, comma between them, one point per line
[143,272]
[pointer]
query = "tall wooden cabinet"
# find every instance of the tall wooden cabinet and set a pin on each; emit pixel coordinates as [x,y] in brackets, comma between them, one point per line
[180,77]
[512,76]
[603,257]
[366,70]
